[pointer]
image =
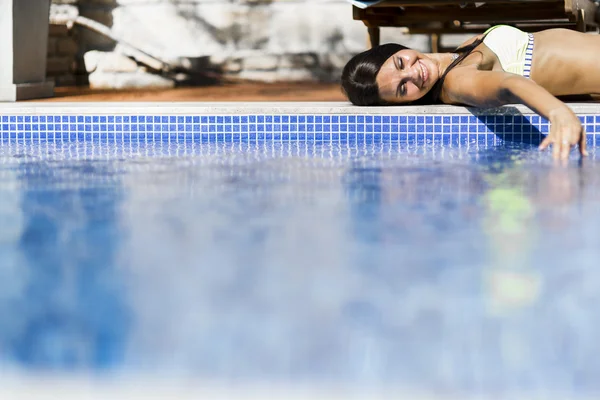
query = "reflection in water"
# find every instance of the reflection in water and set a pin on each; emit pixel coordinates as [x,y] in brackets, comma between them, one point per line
[443,269]
[68,312]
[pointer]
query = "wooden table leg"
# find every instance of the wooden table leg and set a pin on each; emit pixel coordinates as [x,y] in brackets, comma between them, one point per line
[374,32]
[434,39]
[581,25]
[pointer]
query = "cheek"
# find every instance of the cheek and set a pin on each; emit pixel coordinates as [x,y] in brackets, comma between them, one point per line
[413,89]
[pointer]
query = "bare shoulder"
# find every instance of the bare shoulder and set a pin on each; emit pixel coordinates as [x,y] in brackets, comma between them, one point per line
[471,40]
[469,85]
[457,83]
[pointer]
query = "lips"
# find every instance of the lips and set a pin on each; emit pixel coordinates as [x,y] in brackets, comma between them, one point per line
[424,74]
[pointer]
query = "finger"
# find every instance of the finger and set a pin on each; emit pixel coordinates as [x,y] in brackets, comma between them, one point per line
[564,162]
[583,145]
[565,149]
[558,162]
[545,143]
[556,149]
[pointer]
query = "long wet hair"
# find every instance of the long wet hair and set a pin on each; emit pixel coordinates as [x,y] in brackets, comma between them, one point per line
[359,76]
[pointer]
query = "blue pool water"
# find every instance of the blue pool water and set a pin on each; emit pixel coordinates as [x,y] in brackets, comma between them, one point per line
[465,268]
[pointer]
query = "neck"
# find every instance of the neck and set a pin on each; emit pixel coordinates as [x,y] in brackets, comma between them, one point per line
[443,60]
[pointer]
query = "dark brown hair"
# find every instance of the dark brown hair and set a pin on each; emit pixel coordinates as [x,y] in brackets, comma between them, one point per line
[359,76]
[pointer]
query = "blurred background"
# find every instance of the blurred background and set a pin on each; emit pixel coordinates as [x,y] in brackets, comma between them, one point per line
[249,40]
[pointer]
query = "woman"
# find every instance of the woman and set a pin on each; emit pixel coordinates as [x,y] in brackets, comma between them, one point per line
[502,66]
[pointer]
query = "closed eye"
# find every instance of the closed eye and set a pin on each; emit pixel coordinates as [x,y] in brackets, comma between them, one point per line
[401,89]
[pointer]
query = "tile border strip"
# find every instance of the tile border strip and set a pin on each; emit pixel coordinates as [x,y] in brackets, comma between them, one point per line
[236,122]
[264,108]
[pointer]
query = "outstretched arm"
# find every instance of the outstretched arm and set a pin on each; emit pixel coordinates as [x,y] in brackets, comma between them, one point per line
[495,88]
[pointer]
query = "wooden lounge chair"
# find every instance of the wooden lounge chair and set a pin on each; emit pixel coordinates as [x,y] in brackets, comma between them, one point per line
[437,17]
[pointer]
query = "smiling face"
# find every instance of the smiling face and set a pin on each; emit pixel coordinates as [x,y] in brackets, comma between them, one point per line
[407,76]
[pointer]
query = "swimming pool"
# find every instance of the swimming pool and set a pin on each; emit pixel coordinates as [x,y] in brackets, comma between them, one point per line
[396,259]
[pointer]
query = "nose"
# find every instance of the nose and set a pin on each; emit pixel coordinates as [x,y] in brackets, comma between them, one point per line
[413,73]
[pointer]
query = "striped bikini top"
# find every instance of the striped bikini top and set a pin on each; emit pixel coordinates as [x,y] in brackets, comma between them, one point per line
[512,46]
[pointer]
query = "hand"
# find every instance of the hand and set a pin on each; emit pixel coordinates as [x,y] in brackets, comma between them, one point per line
[565,131]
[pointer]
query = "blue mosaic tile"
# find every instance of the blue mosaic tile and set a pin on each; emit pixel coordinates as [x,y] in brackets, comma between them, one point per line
[376,128]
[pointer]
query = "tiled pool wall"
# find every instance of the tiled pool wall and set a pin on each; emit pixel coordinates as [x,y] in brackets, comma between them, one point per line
[279,127]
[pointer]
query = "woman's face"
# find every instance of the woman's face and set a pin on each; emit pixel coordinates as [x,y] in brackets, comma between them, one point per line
[406,76]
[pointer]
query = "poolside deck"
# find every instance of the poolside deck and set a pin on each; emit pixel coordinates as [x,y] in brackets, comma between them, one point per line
[253,98]
[284,111]
[269,92]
